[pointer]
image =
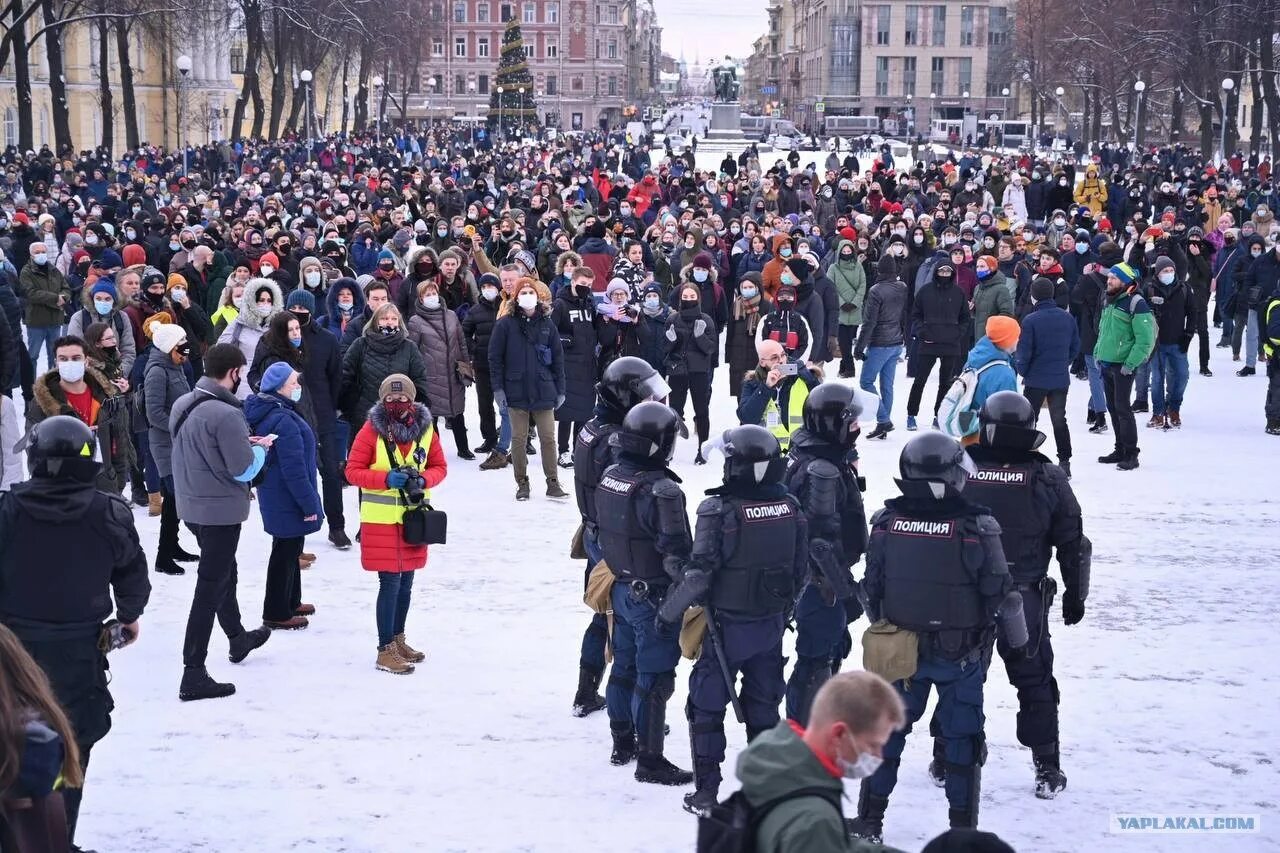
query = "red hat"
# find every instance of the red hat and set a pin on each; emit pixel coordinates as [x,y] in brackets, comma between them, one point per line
[1168,216]
[987,263]
[21,216]
[848,233]
[133,254]
[80,255]
[1104,224]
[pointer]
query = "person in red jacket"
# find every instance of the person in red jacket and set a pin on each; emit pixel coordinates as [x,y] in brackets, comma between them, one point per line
[395,453]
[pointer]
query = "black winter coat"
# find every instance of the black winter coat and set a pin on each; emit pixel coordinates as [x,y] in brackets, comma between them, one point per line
[526,360]
[1174,309]
[577,321]
[1087,301]
[940,315]
[477,328]
[740,345]
[371,359]
[690,352]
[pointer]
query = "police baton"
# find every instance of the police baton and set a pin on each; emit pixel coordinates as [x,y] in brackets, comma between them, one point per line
[714,633]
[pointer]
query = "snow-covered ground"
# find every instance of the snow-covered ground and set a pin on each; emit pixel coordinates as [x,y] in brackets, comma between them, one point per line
[1168,686]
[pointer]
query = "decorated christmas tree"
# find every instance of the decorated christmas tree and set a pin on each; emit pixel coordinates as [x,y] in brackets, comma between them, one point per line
[512,108]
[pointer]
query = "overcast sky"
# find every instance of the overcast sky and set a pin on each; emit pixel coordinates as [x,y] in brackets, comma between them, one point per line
[710,28]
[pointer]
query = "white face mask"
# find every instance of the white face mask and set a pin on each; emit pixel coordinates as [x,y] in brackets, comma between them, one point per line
[864,766]
[312,278]
[431,302]
[490,293]
[527,301]
[1166,278]
[267,269]
[263,310]
[71,371]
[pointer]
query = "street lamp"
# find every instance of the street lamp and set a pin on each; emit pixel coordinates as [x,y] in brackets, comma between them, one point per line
[1138,88]
[1227,85]
[184,68]
[1060,92]
[502,130]
[377,88]
[431,86]
[305,77]
[471,90]
[521,103]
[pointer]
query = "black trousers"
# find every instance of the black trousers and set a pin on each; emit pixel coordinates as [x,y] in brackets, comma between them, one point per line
[1118,389]
[846,335]
[330,459]
[284,579]
[1202,332]
[215,595]
[168,544]
[458,426]
[698,386]
[566,431]
[948,366]
[1057,414]
[484,401]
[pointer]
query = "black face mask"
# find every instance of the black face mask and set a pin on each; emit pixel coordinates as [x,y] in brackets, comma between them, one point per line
[188,244]
[235,384]
[156,299]
[183,349]
[303,317]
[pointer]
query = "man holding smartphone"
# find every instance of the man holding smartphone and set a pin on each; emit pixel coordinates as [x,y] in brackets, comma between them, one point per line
[773,394]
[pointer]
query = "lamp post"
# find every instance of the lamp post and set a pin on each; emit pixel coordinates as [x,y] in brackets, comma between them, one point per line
[471,90]
[933,100]
[1060,92]
[431,86]
[305,77]
[1138,88]
[1227,85]
[1004,112]
[377,88]
[184,68]
[521,103]
[502,130]
[907,112]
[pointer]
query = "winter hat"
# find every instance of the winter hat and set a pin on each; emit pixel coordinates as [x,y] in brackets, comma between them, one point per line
[526,259]
[615,285]
[133,254]
[110,260]
[896,238]
[1104,224]
[104,286]
[401,240]
[166,336]
[800,268]
[1124,272]
[275,376]
[385,255]
[175,280]
[945,270]
[986,263]
[21,217]
[1164,262]
[1041,289]
[702,261]
[1082,234]
[1003,331]
[848,233]
[303,299]
[652,287]
[1155,232]
[489,279]
[786,291]
[397,383]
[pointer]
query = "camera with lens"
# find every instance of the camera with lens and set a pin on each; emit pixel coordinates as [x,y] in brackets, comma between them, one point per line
[415,488]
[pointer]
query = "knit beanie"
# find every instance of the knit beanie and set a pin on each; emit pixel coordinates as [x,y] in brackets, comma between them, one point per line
[1042,289]
[166,336]
[1124,272]
[104,286]
[110,260]
[1003,332]
[302,299]
[275,376]
[397,383]
[175,280]
[702,261]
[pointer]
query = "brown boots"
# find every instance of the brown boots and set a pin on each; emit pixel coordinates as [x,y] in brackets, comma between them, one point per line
[154,504]
[398,657]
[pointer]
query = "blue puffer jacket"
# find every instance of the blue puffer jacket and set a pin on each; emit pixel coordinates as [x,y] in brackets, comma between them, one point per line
[526,361]
[999,378]
[1049,342]
[288,491]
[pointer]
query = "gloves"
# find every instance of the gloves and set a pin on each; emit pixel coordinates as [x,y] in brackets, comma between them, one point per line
[500,397]
[847,306]
[1126,370]
[559,400]
[699,327]
[398,480]
[671,334]
[860,355]
[1072,608]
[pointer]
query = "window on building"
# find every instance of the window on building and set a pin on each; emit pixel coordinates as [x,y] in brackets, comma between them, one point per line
[437,46]
[908,75]
[611,15]
[553,87]
[966,26]
[552,49]
[482,84]
[939,26]
[460,11]
[460,47]
[912,15]
[437,85]
[237,59]
[459,84]
[576,84]
[611,86]
[482,47]
[997,26]
[965,75]
[611,49]
[882,24]
[995,89]
[882,76]
[10,126]
[435,14]
[937,76]
[552,11]
[415,83]
[482,13]
[530,15]
[506,12]
[528,50]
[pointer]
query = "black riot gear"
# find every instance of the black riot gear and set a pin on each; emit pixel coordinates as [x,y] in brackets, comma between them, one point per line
[937,460]
[752,455]
[1008,420]
[62,448]
[628,381]
[648,433]
[831,412]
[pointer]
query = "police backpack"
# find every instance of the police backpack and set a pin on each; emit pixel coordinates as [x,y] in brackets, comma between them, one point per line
[730,826]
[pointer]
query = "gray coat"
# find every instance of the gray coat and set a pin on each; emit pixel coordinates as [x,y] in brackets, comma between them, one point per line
[882,315]
[210,451]
[438,336]
[163,383]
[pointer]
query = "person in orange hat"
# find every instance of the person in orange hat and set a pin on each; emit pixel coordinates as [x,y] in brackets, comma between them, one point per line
[992,360]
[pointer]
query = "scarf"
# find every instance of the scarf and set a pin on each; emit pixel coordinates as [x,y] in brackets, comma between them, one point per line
[748,309]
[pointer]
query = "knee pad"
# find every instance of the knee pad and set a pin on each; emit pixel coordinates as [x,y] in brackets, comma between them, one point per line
[664,686]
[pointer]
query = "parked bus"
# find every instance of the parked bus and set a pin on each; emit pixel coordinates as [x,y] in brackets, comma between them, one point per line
[851,125]
[1007,134]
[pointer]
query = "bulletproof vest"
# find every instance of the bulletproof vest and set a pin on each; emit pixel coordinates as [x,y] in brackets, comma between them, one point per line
[931,569]
[628,549]
[758,540]
[591,456]
[1015,494]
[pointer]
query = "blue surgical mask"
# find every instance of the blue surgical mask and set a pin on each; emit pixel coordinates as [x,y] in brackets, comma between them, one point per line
[296,394]
[1081,248]
[296,344]
[40,259]
[749,292]
[652,302]
[103,308]
[1166,277]
[699,275]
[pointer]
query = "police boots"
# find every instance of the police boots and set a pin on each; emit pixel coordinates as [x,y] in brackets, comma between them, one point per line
[701,801]
[624,743]
[587,700]
[654,768]
[1049,777]
[869,824]
[938,767]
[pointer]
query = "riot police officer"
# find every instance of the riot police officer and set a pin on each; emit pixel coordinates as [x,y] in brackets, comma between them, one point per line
[935,566]
[645,538]
[1032,500]
[55,589]
[626,382]
[750,555]
[822,477]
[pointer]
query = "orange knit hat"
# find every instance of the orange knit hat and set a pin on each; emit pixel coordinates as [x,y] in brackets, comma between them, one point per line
[1003,332]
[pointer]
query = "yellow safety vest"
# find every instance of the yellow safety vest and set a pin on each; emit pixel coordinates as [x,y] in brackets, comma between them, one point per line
[1269,344]
[776,424]
[386,506]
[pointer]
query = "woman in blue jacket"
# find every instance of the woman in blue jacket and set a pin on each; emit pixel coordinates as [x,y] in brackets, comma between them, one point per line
[287,497]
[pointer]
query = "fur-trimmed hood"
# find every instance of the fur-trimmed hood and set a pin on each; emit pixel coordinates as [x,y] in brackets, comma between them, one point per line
[398,431]
[412,256]
[248,316]
[686,276]
[47,391]
[567,257]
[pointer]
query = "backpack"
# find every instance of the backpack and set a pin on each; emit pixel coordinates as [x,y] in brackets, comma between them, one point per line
[1155,322]
[956,416]
[731,825]
[139,413]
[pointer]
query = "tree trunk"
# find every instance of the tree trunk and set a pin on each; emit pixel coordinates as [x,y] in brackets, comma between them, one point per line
[280,57]
[57,80]
[362,90]
[22,83]
[1255,113]
[296,109]
[128,102]
[252,57]
[1177,116]
[386,91]
[105,98]
[1267,62]
[1207,110]
[1095,135]
[346,93]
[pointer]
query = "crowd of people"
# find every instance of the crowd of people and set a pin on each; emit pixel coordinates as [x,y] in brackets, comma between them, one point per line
[335,303]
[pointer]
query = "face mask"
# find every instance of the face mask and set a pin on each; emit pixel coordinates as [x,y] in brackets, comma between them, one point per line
[749,292]
[130,234]
[345,305]
[431,303]
[983,274]
[527,301]
[652,302]
[1059,221]
[989,243]
[296,394]
[110,351]
[295,344]
[387,331]
[699,275]
[400,410]
[40,259]
[91,239]
[901,232]
[624,211]
[948,240]
[1062,183]
[785,304]
[312,278]
[71,371]
[1081,248]
[1257,253]
[103,308]
[183,349]
[864,766]
[846,254]
[178,294]
[489,293]
[263,310]
[174,246]
[1166,277]
[267,269]
[1028,236]
[785,252]
[191,244]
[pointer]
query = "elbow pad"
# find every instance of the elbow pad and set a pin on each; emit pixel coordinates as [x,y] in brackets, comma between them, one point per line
[672,521]
[1081,589]
[824,487]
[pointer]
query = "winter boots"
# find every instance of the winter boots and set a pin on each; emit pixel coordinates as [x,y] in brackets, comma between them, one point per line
[1139,406]
[407,652]
[1065,465]
[155,504]
[1099,423]
[655,769]
[389,660]
[1112,458]
[522,489]
[1246,371]
[1273,426]
[554,490]
[1175,419]
[651,766]
[166,566]
[1129,462]
[1049,777]
[869,824]
[701,801]
[587,701]
[497,459]
[293,623]
[304,610]
[339,539]
[624,743]
[882,430]
[247,641]
[1156,422]
[198,684]
[938,766]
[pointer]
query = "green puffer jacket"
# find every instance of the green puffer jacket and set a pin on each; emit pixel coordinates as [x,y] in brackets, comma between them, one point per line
[850,280]
[1126,331]
[991,299]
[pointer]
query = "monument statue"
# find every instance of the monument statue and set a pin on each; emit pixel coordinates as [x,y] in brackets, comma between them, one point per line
[724,76]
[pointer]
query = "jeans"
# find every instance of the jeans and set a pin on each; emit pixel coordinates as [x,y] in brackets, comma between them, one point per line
[1057,413]
[1142,381]
[150,473]
[948,367]
[1097,399]
[1169,378]
[215,593]
[1118,389]
[882,363]
[504,429]
[1246,327]
[41,336]
[395,591]
[284,579]
[544,419]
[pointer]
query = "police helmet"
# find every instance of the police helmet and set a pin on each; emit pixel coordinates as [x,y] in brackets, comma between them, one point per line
[648,432]
[1008,420]
[752,455]
[831,413]
[62,448]
[628,381]
[936,459]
